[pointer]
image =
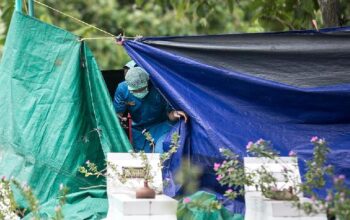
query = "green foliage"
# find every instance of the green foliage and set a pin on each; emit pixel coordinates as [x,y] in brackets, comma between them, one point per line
[198,204]
[175,138]
[8,206]
[337,202]
[188,176]
[232,173]
[172,17]
[149,138]
[91,169]
[147,168]
[9,209]
[28,195]
[62,200]
[316,168]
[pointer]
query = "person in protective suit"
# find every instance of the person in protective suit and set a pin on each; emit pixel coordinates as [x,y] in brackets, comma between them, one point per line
[149,110]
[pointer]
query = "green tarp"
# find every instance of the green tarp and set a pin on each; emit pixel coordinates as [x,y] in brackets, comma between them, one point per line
[198,207]
[55,114]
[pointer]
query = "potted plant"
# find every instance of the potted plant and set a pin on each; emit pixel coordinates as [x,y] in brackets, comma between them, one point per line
[145,191]
[232,173]
[337,202]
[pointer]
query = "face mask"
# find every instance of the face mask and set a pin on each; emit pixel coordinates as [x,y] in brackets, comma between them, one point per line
[141,95]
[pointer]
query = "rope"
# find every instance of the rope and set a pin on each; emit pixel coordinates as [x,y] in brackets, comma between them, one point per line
[97,38]
[105,38]
[79,21]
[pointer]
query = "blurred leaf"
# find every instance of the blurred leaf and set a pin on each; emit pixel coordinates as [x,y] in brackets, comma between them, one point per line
[139,2]
[231,4]
[2,40]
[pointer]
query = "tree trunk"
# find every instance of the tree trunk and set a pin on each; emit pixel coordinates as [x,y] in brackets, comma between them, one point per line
[329,9]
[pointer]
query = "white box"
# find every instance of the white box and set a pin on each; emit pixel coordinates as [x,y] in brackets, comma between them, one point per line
[127,207]
[252,164]
[122,201]
[260,208]
[126,160]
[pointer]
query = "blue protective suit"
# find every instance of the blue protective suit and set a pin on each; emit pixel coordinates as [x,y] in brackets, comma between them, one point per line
[148,113]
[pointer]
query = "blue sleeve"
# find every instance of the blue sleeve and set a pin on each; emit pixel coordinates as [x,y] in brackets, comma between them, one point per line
[169,108]
[119,99]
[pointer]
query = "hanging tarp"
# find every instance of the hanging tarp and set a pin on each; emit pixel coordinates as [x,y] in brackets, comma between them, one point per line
[188,211]
[56,114]
[284,87]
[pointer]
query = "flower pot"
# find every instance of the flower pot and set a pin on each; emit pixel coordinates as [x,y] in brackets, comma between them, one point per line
[145,192]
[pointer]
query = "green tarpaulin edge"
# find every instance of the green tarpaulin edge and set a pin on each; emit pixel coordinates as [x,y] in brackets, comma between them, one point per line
[55,115]
[198,207]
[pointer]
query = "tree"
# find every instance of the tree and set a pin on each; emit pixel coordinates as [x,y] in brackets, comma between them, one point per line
[329,9]
[179,17]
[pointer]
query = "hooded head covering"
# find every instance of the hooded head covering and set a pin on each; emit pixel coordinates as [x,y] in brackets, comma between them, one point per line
[136,78]
[130,64]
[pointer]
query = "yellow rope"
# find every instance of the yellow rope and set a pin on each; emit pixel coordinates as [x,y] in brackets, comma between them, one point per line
[105,38]
[77,20]
[97,38]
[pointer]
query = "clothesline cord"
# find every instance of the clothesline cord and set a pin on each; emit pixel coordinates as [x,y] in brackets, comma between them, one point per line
[104,38]
[112,36]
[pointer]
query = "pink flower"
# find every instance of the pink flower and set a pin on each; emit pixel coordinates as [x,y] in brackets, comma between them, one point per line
[292,153]
[329,197]
[260,141]
[229,191]
[314,139]
[313,198]
[216,166]
[249,145]
[186,200]
[339,179]
[3,178]
[219,177]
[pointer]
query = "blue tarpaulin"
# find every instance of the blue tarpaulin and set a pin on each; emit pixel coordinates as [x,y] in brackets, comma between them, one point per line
[284,87]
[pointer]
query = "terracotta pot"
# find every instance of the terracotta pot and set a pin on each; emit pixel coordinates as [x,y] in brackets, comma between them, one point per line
[145,192]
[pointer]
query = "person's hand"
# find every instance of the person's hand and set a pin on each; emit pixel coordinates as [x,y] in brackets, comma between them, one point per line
[122,119]
[178,114]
